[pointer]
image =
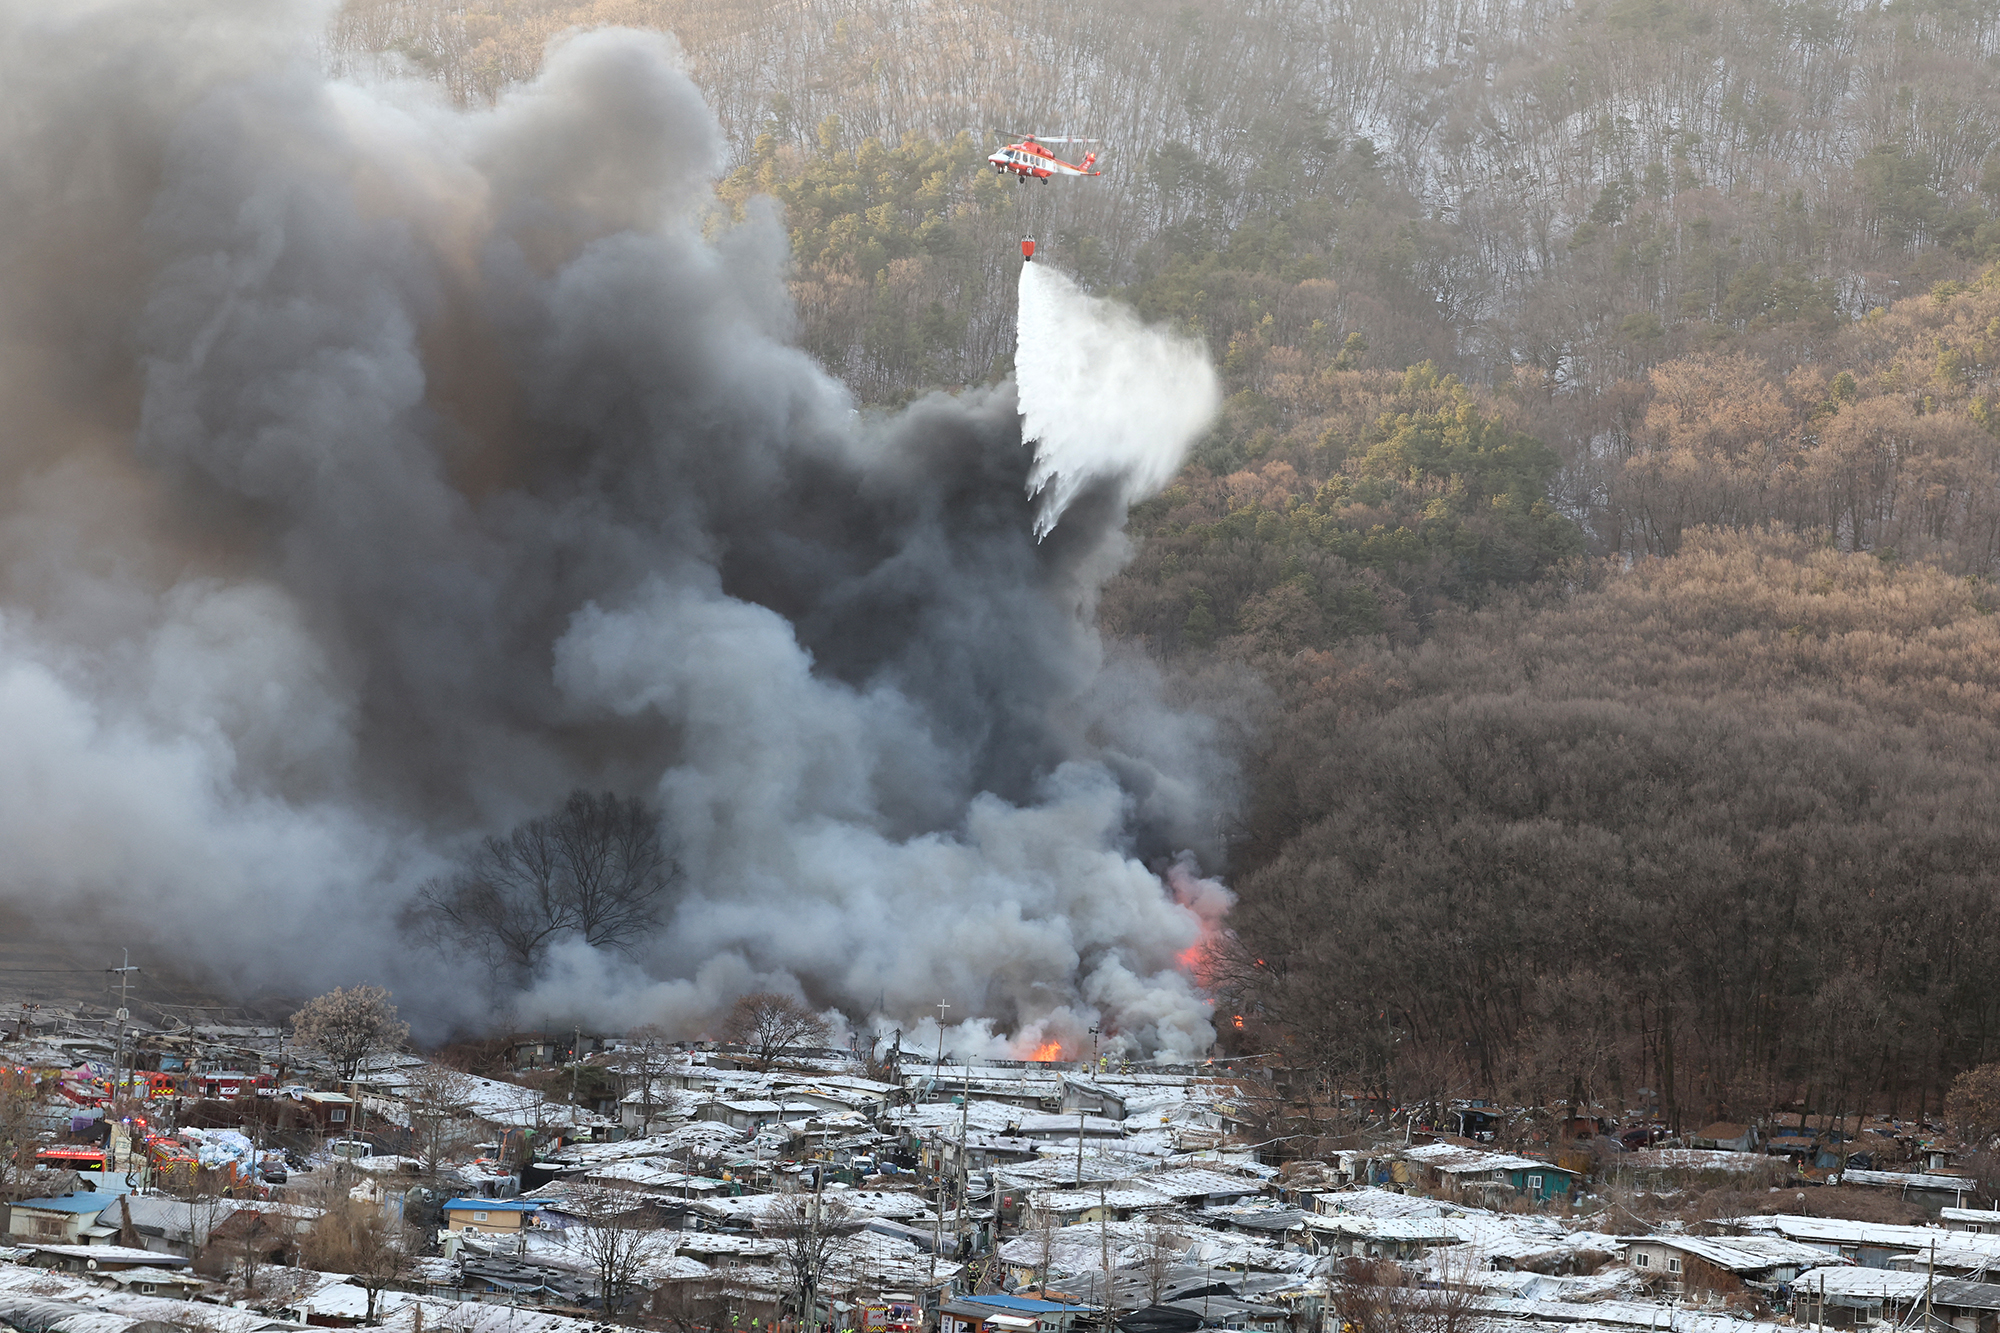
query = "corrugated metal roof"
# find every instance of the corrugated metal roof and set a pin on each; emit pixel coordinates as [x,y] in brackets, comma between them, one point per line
[1742,1254]
[1451,1158]
[1840,1231]
[1919,1180]
[71,1203]
[1864,1283]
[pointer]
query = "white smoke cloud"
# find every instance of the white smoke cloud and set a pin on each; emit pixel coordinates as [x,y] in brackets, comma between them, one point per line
[379,473]
[1103,395]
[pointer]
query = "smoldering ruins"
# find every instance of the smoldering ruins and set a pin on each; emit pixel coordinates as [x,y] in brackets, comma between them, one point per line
[377,474]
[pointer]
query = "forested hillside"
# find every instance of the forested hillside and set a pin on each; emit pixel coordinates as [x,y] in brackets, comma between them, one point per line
[1551,202]
[1718,827]
[1608,489]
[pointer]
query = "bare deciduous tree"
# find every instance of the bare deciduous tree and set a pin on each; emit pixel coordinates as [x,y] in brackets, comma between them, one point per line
[439,1098]
[807,1225]
[616,1243]
[200,1188]
[356,1238]
[1159,1252]
[652,1043]
[1973,1102]
[598,870]
[253,1238]
[349,1025]
[1043,1224]
[769,1024]
[694,1307]
[1377,1296]
[20,1096]
[278,1285]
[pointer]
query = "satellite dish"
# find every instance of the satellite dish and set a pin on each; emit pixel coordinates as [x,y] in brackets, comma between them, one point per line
[90,1263]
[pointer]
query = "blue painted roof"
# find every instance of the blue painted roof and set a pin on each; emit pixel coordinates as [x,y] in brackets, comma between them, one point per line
[494,1205]
[1012,1303]
[71,1203]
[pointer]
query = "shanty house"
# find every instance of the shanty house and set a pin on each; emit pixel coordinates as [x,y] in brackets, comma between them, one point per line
[746,1116]
[1069,1127]
[1669,1167]
[492,1217]
[270,1231]
[332,1112]
[956,1317]
[981,1150]
[1860,1297]
[1282,1226]
[152,1281]
[1919,1187]
[1193,1187]
[1720,1264]
[1082,1095]
[101,1259]
[67,1219]
[1119,1203]
[1472,1169]
[512,1282]
[1978,1221]
[1851,1297]
[1970,1307]
[1877,1244]
[1725,1135]
[998,1313]
[840,1092]
[1381,1237]
[1009,1313]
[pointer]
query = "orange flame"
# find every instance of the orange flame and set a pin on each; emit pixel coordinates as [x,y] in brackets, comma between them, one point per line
[1196,961]
[1206,901]
[1048,1050]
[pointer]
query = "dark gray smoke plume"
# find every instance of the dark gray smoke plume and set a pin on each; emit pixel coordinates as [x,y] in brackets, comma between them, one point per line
[375,474]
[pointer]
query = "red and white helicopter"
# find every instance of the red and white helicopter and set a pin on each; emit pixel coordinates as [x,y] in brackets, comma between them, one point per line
[1028,158]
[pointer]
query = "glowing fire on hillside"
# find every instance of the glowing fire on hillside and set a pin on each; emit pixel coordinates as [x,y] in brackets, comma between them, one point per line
[1206,901]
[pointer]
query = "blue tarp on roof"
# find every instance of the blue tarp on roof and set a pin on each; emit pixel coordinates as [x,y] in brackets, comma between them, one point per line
[495,1205]
[1012,1303]
[72,1203]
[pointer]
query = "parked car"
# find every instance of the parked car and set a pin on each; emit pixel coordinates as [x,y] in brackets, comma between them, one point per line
[1638,1136]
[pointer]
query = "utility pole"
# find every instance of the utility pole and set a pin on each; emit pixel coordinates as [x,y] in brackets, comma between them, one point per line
[810,1311]
[937,1070]
[961,1180]
[1093,1050]
[1930,1278]
[1079,1147]
[575,1054]
[124,975]
[1104,1257]
[937,1228]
